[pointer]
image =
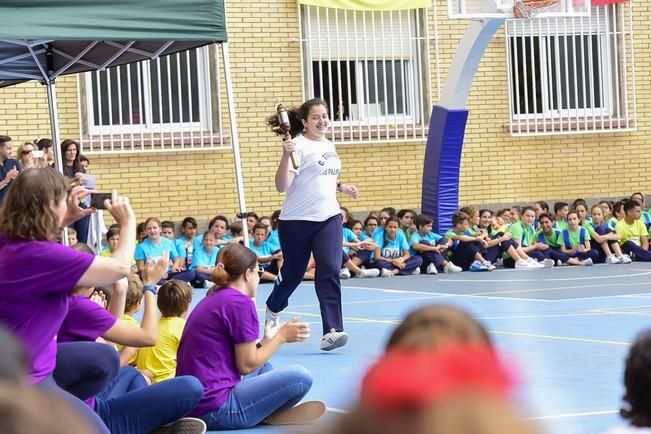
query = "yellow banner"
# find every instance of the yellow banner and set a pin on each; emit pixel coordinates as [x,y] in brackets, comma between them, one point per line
[369,5]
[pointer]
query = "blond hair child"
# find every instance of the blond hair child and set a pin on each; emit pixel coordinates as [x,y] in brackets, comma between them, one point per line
[174,299]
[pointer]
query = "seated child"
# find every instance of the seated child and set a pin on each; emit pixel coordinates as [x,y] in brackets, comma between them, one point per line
[500,244]
[392,252]
[634,236]
[523,235]
[468,249]
[174,299]
[363,256]
[552,238]
[204,259]
[605,239]
[113,240]
[270,260]
[129,355]
[251,220]
[352,245]
[153,247]
[72,237]
[431,247]
[188,240]
[575,241]
[560,215]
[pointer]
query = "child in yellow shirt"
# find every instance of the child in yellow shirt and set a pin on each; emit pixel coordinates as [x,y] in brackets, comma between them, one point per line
[128,355]
[174,299]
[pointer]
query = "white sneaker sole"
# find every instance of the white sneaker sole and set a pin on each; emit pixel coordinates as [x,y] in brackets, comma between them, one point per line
[303,413]
[186,425]
[337,343]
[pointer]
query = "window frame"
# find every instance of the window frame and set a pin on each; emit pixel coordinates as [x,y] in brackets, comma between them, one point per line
[144,69]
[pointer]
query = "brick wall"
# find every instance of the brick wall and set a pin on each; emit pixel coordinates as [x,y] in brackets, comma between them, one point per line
[265,60]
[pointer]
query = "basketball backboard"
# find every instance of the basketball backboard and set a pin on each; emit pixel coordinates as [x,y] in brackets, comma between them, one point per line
[486,9]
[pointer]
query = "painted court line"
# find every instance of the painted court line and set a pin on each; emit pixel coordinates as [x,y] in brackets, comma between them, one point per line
[558,288]
[546,417]
[445,294]
[346,303]
[611,276]
[541,316]
[560,338]
[494,332]
[568,415]
[337,410]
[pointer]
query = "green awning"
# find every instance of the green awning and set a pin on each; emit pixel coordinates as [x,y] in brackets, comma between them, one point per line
[40,40]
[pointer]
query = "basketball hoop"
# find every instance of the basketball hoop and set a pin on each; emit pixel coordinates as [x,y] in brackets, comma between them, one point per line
[531,8]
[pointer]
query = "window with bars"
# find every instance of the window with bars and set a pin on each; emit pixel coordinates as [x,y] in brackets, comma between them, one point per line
[371,67]
[157,104]
[571,74]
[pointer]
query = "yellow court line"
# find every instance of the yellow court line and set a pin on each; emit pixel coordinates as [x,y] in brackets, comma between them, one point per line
[346,303]
[518,291]
[561,338]
[494,332]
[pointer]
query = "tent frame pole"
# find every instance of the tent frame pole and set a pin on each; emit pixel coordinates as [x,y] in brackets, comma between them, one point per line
[54,125]
[56,136]
[234,139]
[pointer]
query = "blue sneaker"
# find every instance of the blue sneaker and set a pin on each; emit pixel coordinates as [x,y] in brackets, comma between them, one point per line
[477,266]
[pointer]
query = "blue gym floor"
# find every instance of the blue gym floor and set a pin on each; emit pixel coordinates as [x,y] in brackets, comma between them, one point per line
[567,329]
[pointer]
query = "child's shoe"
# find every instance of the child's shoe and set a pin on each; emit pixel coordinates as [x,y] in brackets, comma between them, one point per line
[625,259]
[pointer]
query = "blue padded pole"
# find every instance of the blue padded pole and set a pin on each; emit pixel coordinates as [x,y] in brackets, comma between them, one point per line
[441,168]
[440,192]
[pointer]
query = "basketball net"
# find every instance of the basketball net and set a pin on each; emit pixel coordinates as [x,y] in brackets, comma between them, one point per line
[531,8]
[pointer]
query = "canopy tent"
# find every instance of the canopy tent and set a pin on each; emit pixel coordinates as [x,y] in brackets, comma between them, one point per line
[41,40]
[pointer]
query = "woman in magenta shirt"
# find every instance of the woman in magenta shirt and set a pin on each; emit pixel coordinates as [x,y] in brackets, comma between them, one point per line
[218,347]
[37,273]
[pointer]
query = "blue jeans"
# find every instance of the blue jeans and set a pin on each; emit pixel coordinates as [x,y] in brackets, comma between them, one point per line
[85,368]
[76,404]
[260,395]
[127,407]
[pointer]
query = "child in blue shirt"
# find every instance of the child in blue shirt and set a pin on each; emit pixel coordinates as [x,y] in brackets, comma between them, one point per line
[392,252]
[188,241]
[153,247]
[431,247]
[270,259]
[204,259]
[354,254]
[362,255]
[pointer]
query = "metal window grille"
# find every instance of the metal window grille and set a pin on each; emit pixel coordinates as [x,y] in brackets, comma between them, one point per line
[572,75]
[164,104]
[372,69]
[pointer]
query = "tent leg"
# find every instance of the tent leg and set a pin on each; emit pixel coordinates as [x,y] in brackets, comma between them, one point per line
[54,125]
[234,138]
[56,136]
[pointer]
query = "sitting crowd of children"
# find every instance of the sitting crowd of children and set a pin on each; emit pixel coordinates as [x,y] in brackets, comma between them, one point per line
[390,243]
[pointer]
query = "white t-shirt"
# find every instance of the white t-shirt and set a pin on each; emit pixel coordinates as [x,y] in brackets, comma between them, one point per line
[312,194]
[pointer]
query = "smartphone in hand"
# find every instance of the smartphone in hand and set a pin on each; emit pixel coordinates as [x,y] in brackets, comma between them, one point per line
[97,200]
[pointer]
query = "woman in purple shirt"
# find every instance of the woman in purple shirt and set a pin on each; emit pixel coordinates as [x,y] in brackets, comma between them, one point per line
[37,274]
[218,347]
